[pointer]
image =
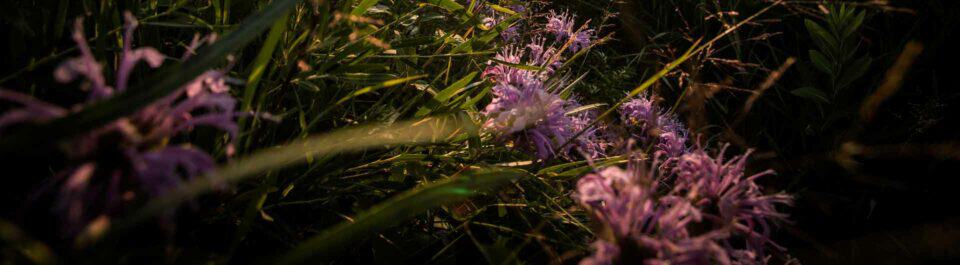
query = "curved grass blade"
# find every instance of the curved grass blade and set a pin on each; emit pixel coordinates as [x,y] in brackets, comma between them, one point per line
[156,86]
[428,130]
[443,97]
[396,210]
[15,240]
[363,7]
[449,5]
[358,92]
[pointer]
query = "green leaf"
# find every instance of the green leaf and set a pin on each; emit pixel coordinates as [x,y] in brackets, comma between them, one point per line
[449,5]
[826,41]
[502,9]
[811,93]
[853,26]
[821,63]
[397,210]
[363,6]
[854,71]
[159,85]
[444,95]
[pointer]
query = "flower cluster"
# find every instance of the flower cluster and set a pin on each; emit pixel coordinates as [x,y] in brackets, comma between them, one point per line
[111,164]
[563,27]
[653,126]
[528,113]
[701,209]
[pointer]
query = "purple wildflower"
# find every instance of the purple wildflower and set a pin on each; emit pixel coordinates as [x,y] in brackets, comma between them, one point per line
[737,197]
[524,111]
[562,27]
[650,206]
[33,109]
[653,125]
[534,117]
[133,149]
[604,253]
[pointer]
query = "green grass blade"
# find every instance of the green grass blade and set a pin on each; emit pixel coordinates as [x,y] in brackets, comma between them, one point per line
[260,63]
[449,5]
[442,97]
[388,83]
[428,130]
[396,210]
[363,6]
[153,88]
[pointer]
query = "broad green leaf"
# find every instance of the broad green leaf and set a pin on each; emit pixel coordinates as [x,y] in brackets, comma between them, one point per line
[821,62]
[397,210]
[811,93]
[363,6]
[161,84]
[826,41]
[853,26]
[854,71]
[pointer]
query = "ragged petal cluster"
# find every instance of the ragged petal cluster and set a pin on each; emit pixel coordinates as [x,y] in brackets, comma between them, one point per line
[529,114]
[700,210]
[116,163]
[647,122]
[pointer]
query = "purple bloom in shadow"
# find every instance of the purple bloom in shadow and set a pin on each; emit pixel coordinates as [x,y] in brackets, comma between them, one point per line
[132,149]
[650,209]
[532,116]
[651,125]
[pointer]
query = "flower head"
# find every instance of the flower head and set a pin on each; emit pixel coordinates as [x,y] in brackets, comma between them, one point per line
[526,113]
[562,27]
[653,126]
[652,206]
[133,149]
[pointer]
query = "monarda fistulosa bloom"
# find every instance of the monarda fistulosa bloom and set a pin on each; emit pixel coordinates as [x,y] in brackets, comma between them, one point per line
[562,26]
[653,126]
[131,158]
[701,209]
[528,114]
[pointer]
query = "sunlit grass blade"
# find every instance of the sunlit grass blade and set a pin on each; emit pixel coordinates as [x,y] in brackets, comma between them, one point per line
[402,207]
[358,92]
[449,5]
[428,130]
[16,240]
[442,97]
[153,88]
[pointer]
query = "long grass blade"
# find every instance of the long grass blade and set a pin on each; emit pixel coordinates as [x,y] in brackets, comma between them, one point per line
[428,130]
[396,210]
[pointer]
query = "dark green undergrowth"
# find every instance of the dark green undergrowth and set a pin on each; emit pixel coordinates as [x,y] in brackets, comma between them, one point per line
[376,156]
